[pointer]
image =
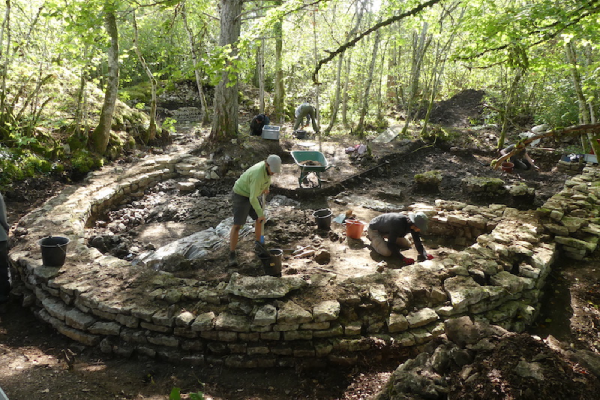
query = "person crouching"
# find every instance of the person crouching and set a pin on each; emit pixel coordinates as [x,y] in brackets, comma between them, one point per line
[387,234]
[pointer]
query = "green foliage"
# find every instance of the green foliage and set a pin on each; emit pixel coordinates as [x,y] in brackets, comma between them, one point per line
[169,124]
[429,178]
[19,165]
[176,395]
[83,162]
[440,133]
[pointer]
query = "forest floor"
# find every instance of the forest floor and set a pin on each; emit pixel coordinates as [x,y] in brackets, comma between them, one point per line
[38,363]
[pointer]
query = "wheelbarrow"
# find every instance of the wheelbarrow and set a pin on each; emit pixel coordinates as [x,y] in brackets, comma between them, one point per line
[310,161]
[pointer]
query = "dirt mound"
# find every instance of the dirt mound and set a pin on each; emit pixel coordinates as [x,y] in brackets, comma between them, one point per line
[460,111]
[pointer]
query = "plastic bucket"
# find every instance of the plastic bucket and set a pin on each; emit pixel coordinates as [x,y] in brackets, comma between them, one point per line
[354,228]
[507,166]
[54,250]
[276,256]
[323,218]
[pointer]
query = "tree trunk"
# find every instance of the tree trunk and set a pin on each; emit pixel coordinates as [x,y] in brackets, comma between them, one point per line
[336,103]
[101,135]
[279,100]
[508,105]
[419,47]
[345,98]
[261,77]
[5,59]
[584,109]
[365,105]
[392,83]
[150,134]
[225,120]
[204,114]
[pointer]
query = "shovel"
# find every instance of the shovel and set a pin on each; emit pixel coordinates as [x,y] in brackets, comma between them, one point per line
[262,226]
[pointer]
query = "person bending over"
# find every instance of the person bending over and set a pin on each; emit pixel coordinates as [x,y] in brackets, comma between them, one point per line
[387,234]
[520,158]
[254,182]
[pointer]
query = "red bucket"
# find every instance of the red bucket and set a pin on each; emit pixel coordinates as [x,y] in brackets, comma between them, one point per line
[354,228]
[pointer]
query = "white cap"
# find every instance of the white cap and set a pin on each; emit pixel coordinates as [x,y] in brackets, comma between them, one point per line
[274,163]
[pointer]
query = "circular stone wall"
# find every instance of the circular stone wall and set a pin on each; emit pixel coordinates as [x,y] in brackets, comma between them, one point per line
[265,321]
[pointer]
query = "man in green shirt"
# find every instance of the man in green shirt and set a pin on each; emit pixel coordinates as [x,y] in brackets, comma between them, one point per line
[246,190]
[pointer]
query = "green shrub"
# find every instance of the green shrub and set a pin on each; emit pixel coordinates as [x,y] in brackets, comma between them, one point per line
[83,162]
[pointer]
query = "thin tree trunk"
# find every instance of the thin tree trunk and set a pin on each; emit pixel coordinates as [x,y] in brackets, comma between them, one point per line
[204,115]
[345,98]
[440,63]
[279,84]
[225,120]
[360,130]
[261,76]
[101,135]
[509,103]
[360,7]
[584,114]
[5,58]
[150,134]
[419,47]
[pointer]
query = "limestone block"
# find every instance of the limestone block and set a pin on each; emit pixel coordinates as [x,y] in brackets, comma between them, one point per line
[184,319]
[513,284]
[297,335]
[265,315]
[589,247]
[249,337]
[557,215]
[154,327]
[270,335]
[230,322]
[464,291]
[105,328]
[263,287]
[285,327]
[573,224]
[78,319]
[292,313]
[204,322]
[55,308]
[353,328]
[557,229]
[421,317]
[397,323]
[378,294]
[326,311]
[315,326]
[163,340]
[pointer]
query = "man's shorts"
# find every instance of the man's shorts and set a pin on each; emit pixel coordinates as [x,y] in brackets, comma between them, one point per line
[242,209]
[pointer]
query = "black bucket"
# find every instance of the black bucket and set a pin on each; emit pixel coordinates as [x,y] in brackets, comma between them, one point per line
[323,218]
[276,256]
[54,250]
[301,134]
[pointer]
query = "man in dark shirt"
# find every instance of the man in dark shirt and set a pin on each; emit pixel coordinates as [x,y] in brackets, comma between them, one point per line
[257,124]
[393,227]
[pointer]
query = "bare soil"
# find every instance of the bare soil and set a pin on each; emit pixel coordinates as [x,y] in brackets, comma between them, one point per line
[38,363]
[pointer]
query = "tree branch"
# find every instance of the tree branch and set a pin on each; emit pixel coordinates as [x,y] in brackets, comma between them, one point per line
[375,27]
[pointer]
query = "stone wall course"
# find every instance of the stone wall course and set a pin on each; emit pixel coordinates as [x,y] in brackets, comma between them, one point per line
[509,252]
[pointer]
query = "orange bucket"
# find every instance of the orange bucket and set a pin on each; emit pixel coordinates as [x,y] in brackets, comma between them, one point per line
[354,228]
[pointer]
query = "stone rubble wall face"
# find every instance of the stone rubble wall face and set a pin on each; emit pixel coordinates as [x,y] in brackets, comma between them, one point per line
[499,278]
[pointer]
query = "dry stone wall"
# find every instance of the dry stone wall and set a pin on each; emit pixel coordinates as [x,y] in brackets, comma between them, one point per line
[248,322]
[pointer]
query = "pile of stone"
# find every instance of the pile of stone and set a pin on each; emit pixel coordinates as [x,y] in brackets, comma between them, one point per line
[572,215]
